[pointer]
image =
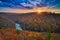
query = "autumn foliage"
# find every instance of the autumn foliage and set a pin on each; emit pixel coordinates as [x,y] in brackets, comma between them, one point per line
[11,34]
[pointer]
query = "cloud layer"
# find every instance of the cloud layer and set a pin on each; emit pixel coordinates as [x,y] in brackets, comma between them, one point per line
[28,3]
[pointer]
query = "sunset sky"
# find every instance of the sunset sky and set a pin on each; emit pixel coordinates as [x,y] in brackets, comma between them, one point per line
[24,6]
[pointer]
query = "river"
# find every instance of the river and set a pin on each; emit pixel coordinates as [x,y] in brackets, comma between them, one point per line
[18,27]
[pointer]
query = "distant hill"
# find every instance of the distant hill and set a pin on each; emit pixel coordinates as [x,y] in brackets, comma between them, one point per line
[6,23]
[36,22]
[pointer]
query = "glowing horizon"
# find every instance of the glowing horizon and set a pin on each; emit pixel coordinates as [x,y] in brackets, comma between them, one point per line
[37,9]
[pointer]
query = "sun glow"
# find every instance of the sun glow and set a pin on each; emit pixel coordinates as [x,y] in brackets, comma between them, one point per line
[39,11]
[46,9]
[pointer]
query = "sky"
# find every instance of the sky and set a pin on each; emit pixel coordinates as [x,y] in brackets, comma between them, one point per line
[23,6]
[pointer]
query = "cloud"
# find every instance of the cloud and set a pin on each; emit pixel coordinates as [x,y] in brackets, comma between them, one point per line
[35,2]
[28,4]
[14,5]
